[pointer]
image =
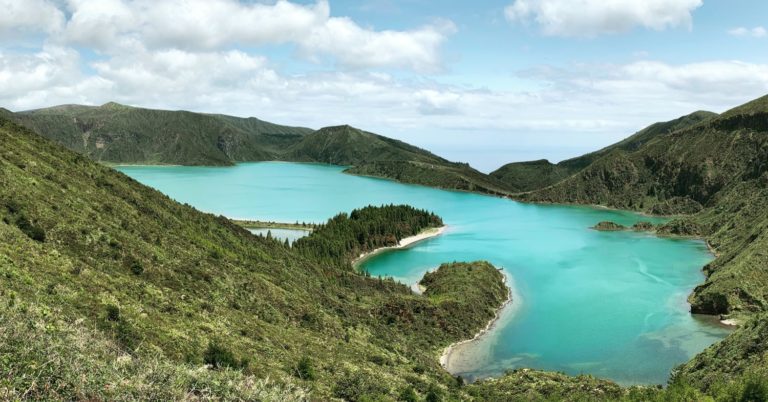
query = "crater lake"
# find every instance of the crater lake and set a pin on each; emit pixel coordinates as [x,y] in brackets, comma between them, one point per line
[610,304]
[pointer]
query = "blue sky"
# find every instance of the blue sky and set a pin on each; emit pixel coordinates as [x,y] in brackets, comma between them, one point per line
[485,82]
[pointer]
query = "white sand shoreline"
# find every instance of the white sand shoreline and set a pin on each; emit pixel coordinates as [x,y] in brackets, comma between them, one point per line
[445,357]
[404,243]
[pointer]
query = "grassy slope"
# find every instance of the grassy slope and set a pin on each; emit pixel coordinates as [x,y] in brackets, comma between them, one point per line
[122,134]
[80,321]
[718,171]
[375,155]
[533,175]
[715,172]
[116,281]
[201,279]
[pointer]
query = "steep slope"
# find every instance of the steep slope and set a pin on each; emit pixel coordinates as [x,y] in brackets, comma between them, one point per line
[116,133]
[111,290]
[531,175]
[717,170]
[744,353]
[157,281]
[123,134]
[345,145]
[375,155]
[528,176]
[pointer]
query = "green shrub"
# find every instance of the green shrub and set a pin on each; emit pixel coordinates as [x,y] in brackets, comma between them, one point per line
[359,386]
[32,231]
[136,266]
[434,395]
[113,313]
[219,356]
[408,395]
[755,390]
[305,369]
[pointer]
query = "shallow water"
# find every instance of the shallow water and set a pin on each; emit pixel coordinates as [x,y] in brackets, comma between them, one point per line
[611,304]
[281,234]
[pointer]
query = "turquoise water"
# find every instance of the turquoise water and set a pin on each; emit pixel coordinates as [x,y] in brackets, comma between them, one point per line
[281,234]
[604,303]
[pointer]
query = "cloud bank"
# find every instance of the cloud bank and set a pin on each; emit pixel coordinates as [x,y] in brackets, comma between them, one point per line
[597,17]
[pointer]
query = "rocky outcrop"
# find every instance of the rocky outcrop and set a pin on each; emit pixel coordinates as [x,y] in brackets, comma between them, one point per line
[608,226]
[643,226]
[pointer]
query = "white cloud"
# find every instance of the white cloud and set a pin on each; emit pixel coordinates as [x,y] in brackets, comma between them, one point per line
[156,60]
[595,17]
[51,76]
[114,26]
[355,46]
[584,106]
[756,32]
[29,16]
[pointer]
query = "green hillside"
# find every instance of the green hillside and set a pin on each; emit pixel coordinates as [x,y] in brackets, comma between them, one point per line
[122,134]
[111,290]
[345,145]
[533,175]
[102,257]
[374,155]
[115,133]
[716,172]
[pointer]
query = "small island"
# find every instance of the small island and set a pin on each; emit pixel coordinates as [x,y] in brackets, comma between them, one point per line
[608,226]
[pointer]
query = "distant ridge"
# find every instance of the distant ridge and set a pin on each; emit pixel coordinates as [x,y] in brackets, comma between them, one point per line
[527,176]
[98,264]
[711,169]
[120,134]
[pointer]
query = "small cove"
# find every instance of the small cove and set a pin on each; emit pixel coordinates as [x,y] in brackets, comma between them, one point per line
[608,304]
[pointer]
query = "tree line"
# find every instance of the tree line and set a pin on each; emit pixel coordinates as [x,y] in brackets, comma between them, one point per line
[346,236]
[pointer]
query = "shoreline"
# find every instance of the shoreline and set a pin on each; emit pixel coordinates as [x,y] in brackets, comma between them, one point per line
[404,243]
[255,224]
[445,356]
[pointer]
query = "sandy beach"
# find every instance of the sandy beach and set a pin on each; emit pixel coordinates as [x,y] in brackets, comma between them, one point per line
[405,242]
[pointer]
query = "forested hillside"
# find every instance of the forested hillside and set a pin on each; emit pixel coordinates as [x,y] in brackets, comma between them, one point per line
[371,154]
[161,289]
[534,175]
[345,236]
[716,172]
[117,133]
[113,291]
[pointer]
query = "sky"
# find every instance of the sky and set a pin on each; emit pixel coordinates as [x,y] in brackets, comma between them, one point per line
[485,82]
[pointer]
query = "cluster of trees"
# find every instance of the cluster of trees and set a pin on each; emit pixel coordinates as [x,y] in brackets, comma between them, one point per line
[346,236]
[16,216]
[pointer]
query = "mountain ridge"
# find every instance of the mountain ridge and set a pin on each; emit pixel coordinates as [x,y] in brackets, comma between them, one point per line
[83,243]
[120,134]
[533,175]
[704,173]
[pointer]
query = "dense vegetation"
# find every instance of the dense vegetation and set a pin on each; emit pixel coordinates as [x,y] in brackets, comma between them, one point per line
[99,274]
[713,174]
[370,154]
[122,134]
[716,172]
[346,236]
[129,294]
[534,175]
[453,176]
[116,133]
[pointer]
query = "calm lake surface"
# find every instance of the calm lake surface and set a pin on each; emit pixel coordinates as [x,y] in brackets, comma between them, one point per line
[603,303]
[281,234]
